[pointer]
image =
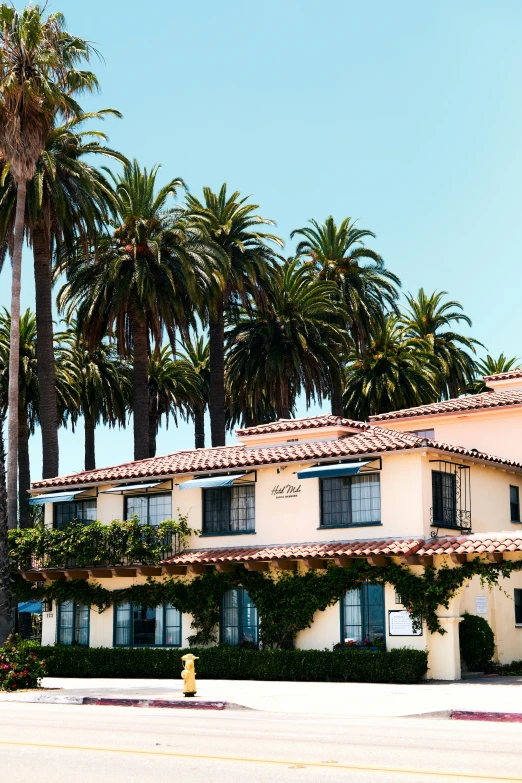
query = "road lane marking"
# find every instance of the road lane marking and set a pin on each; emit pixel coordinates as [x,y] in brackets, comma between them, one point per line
[276,762]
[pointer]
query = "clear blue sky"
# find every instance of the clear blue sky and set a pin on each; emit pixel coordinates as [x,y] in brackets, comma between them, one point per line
[406,115]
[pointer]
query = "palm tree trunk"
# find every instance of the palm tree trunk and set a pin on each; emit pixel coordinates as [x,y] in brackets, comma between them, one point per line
[153,426]
[45,354]
[337,397]
[14,358]
[140,380]
[199,426]
[90,455]
[216,397]
[5,595]
[24,470]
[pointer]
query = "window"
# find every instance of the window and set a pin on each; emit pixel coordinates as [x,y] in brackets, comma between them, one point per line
[239,618]
[444,486]
[514,501]
[350,500]
[73,624]
[518,607]
[362,615]
[136,626]
[75,510]
[229,509]
[150,509]
[423,433]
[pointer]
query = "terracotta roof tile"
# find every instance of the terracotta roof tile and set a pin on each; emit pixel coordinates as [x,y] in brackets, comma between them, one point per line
[374,440]
[487,400]
[500,376]
[307,423]
[391,547]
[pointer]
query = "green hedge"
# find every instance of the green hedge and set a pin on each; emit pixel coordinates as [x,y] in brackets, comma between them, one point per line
[228,663]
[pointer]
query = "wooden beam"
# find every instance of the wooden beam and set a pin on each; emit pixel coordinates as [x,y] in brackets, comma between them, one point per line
[174,570]
[458,558]
[315,562]
[256,565]
[378,560]
[77,573]
[425,560]
[285,565]
[197,568]
[124,571]
[100,573]
[343,561]
[33,576]
[225,568]
[149,570]
[54,576]
[495,557]
[411,560]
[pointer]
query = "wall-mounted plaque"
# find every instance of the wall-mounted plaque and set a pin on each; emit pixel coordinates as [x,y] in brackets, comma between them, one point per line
[400,623]
[481,604]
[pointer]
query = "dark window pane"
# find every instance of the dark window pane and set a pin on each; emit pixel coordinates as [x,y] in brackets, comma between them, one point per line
[444,486]
[514,499]
[518,607]
[216,516]
[363,614]
[81,510]
[123,635]
[144,625]
[347,500]
[172,626]
[230,621]
[242,508]
[66,626]
[239,618]
[336,501]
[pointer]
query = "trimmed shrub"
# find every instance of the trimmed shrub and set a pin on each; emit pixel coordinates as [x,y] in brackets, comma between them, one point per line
[21,666]
[228,663]
[477,642]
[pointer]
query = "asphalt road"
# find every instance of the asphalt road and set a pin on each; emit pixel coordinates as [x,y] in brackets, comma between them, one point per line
[78,743]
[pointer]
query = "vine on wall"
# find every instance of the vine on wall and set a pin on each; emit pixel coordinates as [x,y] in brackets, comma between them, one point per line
[286,601]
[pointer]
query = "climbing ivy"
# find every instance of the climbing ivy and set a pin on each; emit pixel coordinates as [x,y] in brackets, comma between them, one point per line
[286,601]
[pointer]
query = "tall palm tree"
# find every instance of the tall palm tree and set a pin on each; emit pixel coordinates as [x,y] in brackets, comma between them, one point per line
[29,398]
[277,352]
[196,351]
[5,571]
[144,278]
[38,80]
[395,372]
[67,200]
[173,388]
[102,384]
[429,318]
[367,289]
[234,226]
[491,366]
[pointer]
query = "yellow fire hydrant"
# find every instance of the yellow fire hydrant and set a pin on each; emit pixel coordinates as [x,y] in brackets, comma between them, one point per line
[189,674]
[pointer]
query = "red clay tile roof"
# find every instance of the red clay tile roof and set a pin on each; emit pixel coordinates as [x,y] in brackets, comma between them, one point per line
[376,440]
[474,402]
[478,543]
[307,423]
[500,376]
[363,548]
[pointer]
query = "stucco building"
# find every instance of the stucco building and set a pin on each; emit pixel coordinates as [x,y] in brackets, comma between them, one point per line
[434,485]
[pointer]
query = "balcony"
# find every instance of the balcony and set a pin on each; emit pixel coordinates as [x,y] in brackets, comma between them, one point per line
[451,493]
[80,551]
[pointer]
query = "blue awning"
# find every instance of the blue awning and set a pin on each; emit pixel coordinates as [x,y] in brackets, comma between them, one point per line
[330,471]
[211,481]
[54,497]
[129,487]
[34,607]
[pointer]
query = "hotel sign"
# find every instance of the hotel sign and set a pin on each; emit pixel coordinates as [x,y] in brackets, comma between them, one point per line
[286,491]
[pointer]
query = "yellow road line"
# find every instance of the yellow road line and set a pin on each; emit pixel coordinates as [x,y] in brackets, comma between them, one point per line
[278,762]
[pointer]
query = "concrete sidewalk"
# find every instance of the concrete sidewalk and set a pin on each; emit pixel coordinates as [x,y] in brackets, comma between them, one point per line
[312,698]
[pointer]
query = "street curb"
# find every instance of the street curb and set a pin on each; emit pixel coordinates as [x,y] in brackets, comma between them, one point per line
[176,704]
[494,717]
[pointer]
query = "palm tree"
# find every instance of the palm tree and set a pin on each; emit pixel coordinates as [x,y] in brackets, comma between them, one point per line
[38,79]
[67,199]
[233,225]
[143,279]
[491,366]
[102,384]
[366,289]
[427,318]
[30,396]
[197,353]
[395,372]
[277,352]
[5,571]
[173,388]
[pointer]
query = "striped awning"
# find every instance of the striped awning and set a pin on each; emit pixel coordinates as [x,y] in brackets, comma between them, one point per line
[330,471]
[54,497]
